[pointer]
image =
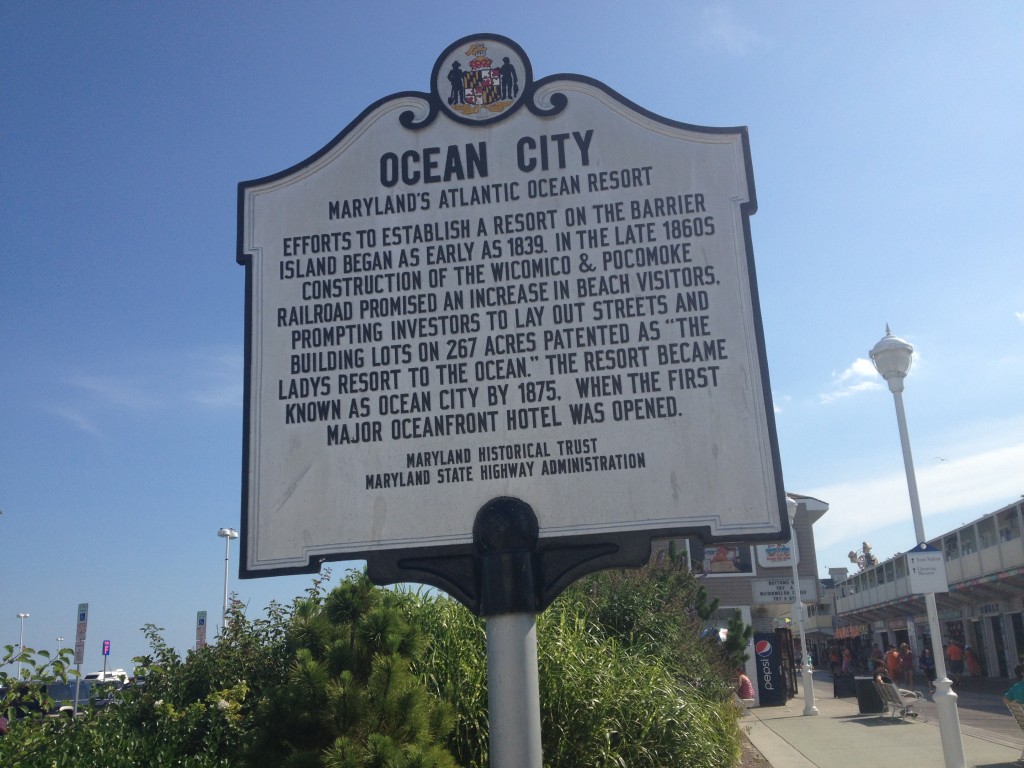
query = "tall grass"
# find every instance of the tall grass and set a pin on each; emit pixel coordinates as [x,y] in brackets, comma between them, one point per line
[625,680]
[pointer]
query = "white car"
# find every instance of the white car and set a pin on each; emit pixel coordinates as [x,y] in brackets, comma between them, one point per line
[109,676]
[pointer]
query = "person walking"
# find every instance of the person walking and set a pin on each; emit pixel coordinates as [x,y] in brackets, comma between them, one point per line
[847,661]
[906,666]
[892,664]
[927,664]
[955,655]
[972,662]
[877,658]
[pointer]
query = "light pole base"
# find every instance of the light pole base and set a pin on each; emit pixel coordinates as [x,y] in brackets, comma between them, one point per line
[809,706]
[949,723]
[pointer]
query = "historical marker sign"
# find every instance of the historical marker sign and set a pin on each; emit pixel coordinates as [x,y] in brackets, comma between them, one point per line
[503,287]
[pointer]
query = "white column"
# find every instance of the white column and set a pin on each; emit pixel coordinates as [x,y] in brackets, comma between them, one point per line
[798,615]
[513,690]
[944,698]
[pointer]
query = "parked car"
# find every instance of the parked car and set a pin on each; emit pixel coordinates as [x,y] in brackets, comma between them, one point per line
[107,675]
[91,692]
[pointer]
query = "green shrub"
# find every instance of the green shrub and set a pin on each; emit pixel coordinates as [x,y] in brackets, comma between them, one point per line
[363,677]
[351,697]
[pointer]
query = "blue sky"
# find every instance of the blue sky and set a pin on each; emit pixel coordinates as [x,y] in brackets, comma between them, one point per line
[887,155]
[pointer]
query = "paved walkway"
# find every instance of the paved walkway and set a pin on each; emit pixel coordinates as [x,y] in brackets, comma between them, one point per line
[840,737]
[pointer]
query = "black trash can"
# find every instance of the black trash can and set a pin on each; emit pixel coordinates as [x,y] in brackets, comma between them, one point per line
[869,701]
[843,687]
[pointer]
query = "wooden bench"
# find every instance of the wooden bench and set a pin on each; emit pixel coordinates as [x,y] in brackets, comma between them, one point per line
[897,700]
[1017,710]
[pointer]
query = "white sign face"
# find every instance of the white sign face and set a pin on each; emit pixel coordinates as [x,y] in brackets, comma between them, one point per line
[926,570]
[461,298]
[776,555]
[772,591]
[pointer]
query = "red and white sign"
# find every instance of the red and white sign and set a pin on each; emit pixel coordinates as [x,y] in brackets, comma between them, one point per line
[776,555]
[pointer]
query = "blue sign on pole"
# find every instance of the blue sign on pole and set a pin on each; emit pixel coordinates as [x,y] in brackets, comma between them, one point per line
[106,647]
[80,630]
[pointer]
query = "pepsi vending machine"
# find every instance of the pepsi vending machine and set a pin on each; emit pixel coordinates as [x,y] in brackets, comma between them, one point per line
[771,681]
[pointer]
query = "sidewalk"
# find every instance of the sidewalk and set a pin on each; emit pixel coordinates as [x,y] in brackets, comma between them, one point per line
[840,737]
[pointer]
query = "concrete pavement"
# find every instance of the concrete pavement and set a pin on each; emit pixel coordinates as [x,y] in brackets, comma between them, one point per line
[840,737]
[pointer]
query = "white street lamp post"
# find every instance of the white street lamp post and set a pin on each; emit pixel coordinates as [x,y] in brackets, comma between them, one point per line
[892,357]
[21,641]
[798,614]
[227,534]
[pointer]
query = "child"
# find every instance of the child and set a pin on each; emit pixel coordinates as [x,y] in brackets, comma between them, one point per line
[744,688]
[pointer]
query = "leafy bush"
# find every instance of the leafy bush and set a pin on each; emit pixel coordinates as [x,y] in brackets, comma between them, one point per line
[25,693]
[363,677]
[152,723]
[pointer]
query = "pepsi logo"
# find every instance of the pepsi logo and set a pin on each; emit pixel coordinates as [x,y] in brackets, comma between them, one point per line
[763,648]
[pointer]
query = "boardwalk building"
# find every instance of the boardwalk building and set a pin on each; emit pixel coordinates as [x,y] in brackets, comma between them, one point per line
[984,608]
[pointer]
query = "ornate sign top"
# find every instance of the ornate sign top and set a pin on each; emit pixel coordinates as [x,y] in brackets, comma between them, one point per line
[482,79]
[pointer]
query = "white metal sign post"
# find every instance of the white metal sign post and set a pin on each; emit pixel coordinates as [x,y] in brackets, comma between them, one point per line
[200,629]
[503,289]
[80,631]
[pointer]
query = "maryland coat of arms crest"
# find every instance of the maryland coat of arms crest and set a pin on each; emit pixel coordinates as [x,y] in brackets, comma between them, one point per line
[481,78]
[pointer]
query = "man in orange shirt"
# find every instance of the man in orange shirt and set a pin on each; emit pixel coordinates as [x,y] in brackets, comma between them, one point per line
[892,664]
[955,654]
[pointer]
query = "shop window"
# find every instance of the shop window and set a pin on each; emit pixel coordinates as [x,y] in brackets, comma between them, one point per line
[1009,525]
[952,547]
[968,541]
[901,568]
[987,532]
